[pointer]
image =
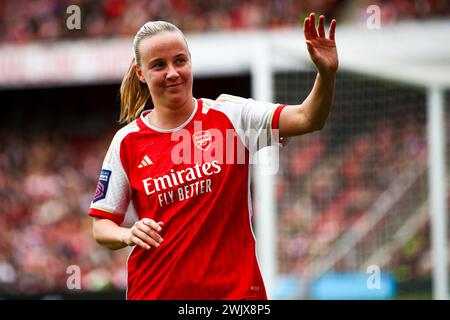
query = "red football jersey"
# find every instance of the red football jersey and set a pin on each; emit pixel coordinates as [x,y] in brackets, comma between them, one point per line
[196,179]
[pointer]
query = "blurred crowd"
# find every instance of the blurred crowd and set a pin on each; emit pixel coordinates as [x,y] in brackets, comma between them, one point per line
[46,184]
[25,21]
[322,194]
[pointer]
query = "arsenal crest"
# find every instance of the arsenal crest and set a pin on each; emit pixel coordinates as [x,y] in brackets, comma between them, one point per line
[202,140]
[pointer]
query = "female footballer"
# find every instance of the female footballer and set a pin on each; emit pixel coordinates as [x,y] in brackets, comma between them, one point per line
[193,238]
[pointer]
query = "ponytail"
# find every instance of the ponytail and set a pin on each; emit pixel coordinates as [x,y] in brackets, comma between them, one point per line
[133,95]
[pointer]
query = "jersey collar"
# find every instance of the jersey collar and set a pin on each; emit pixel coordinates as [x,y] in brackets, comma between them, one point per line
[144,119]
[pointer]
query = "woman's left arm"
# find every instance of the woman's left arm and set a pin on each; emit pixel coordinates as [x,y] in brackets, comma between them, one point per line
[312,114]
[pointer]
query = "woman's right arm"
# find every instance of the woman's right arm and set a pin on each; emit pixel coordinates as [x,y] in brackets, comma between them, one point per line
[144,233]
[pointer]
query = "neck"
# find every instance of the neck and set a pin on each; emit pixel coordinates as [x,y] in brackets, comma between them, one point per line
[169,118]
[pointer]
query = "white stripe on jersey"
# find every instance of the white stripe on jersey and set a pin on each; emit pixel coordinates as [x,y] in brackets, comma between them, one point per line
[116,199]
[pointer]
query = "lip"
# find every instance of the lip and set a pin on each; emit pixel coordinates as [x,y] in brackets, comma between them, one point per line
[174,85]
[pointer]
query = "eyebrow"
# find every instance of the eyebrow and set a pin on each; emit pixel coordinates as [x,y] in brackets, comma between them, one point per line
[161,59]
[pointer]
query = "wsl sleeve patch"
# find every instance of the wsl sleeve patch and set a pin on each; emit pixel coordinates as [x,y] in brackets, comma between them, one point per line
[102,186]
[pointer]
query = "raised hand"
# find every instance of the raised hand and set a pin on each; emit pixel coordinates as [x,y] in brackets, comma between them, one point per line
[322,51]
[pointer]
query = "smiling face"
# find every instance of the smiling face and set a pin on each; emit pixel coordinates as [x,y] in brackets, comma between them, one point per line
[166,68]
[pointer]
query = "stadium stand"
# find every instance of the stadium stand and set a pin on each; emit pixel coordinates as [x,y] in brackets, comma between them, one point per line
[23,21]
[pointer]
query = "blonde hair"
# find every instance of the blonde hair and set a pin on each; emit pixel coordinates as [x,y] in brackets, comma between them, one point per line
[134,93]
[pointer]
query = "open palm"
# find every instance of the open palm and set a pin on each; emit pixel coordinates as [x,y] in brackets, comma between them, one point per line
[322,51]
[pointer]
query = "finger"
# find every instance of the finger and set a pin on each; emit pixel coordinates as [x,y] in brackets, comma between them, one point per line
[312,25]
[136,241]
[148,231]
[145,237]
[151,223]
[310,47]
[306,29]
[322,26]
[332,29]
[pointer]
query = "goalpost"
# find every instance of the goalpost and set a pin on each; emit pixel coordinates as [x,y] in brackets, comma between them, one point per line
[438,190]
[388,85]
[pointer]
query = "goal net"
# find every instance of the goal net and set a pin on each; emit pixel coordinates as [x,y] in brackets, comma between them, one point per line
[354,196]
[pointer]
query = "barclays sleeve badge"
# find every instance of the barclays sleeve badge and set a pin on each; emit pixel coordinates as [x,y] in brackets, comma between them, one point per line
[102,186]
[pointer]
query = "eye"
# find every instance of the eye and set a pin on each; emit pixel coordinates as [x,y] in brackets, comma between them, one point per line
[158,65]
[180,61]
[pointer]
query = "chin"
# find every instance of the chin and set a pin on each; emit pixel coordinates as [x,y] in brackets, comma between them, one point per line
[177,100]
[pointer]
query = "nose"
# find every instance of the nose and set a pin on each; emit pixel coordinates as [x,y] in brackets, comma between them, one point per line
[172,73]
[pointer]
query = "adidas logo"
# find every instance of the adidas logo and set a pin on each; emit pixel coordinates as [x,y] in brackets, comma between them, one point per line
[145,162]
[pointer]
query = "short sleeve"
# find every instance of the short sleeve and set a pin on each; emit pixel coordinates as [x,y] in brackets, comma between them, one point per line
[257,121]
[113,192]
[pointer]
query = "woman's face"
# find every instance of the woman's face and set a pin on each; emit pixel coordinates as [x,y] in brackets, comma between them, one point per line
[166,68]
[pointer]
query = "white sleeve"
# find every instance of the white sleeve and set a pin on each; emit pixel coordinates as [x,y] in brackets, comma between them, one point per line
[255,120]
[113,192]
